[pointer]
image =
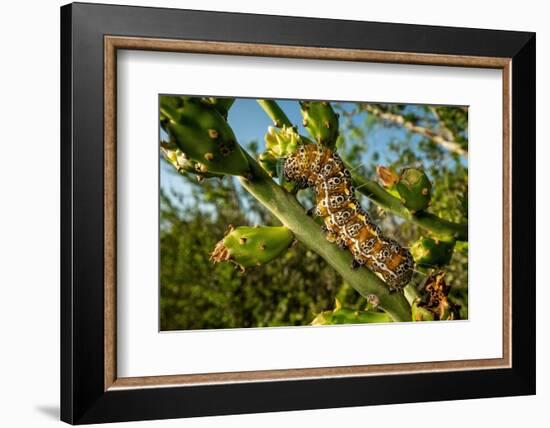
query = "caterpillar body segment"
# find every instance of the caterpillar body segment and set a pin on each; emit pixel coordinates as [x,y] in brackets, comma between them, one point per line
[347,223]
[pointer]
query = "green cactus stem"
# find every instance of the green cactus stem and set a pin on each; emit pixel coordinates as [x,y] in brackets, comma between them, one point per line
[200,131]
[252,246]
[377,194]
[321,122]
[341,315]
[415,189]
[432,253]
[285,207]
[221,104]
[277,115]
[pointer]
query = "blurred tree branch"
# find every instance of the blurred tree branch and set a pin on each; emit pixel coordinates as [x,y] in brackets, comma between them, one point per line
[446,141]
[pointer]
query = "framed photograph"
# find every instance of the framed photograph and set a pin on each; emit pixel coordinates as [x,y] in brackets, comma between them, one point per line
[267,213]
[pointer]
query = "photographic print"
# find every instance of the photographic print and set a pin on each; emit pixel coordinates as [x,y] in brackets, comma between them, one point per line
[281,212]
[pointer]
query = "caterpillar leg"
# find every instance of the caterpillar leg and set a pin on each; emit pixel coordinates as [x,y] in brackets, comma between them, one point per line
[342,245]
[331,236]
[355,264]
[311,211]
[335,239]
[338,240]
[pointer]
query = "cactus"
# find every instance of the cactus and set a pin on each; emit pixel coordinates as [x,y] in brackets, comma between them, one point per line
[415,188]
[252,246]
[341,315]
[182,163]
[412,186]
[321,122]
[430,253]
[200,131]
[196,125]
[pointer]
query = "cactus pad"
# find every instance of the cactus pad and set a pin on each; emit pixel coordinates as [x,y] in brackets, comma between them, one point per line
[201,132]
[252,246]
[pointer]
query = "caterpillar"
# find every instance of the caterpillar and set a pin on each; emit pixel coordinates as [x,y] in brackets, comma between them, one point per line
[346,223]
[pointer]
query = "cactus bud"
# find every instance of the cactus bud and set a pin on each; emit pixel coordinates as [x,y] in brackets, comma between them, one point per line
[252,246]
[388,177]
[429,253]
[200,131]
[434,303]
[320,121]
[279,143]
[414,187]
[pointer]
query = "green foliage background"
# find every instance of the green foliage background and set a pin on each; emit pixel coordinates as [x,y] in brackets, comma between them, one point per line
[291,290]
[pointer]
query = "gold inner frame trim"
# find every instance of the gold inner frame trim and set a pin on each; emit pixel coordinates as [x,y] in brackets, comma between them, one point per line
[113,43]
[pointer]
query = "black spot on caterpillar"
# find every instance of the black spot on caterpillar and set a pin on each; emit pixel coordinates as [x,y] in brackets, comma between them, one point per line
[348,225]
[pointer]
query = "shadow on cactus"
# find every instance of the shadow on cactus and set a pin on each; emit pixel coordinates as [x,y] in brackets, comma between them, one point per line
[308,213]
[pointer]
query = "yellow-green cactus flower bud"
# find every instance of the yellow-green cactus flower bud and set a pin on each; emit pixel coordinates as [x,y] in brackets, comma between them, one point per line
[321,121]
[429,253]
[415,189]
[202,133]
[279,143]
[252,246]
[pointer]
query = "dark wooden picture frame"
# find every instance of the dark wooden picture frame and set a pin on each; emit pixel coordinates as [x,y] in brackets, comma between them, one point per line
[90,389]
